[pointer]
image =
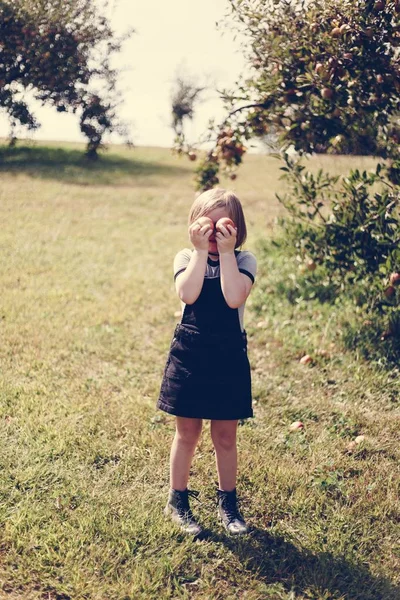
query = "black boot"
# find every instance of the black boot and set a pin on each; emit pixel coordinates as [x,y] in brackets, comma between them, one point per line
[229,513]
[179,510]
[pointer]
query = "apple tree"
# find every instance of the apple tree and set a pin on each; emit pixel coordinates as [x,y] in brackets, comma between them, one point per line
[323,75]
[61,53]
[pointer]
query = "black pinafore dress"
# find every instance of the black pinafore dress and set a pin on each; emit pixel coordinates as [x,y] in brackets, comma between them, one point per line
[207,373]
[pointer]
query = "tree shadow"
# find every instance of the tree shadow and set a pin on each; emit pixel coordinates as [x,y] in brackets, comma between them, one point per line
[72,166]
[276,561]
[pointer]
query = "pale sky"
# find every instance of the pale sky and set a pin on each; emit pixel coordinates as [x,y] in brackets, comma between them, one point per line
[168,34]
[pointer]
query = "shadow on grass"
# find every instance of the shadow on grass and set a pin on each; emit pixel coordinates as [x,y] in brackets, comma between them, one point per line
[72,166]
[276,561]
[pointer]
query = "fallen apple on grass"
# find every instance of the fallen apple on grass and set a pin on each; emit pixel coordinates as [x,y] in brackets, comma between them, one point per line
[351,446]
[306,359]
[296,426]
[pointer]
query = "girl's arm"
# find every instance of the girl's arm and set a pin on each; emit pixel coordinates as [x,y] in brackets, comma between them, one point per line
[235,286]
[189,283]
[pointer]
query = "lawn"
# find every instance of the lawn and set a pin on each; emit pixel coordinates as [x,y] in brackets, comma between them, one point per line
[87,313]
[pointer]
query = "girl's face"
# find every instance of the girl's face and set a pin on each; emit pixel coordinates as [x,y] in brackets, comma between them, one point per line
[215,215]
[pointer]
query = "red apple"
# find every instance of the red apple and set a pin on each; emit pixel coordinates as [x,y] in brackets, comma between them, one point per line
[202,221]
[326,93]
[224,222]
[394,278]
[192,156]
[311,265]
[389,292]
[306,359]
[296,426]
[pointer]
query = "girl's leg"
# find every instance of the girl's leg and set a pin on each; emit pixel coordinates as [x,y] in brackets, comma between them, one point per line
[186,437]
[223,434]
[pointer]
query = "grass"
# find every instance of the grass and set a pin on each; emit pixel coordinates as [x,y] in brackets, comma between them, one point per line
[86,316]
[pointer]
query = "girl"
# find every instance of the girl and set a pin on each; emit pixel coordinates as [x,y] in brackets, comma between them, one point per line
[207,374]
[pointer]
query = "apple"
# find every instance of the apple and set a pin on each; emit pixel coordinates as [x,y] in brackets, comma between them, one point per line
[192,156]
[306,359]
[296,426]
[233,176]
[326,93]
[380,5]
[323,352]
[224,222]
[311,265]
[394,278]
[389,292]
[202,221]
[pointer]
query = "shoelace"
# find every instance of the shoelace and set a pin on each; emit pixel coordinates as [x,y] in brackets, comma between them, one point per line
[183,503]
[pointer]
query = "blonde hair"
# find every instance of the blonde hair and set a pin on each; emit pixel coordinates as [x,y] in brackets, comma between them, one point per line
[220,198]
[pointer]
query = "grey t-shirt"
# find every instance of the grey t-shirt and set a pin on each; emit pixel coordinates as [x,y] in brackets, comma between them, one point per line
[246,262]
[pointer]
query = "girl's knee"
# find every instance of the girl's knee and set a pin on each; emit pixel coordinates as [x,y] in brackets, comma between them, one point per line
[223,435]
[188,430]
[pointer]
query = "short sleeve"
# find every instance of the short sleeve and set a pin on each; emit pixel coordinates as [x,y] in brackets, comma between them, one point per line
[247,264]
[181,261]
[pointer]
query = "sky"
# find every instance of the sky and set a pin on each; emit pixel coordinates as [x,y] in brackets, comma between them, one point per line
[170,35]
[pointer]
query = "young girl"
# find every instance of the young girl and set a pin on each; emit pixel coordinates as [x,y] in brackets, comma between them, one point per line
[207,374]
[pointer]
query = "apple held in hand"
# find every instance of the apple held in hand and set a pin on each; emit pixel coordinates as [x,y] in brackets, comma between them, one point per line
[202,221]
[224,222]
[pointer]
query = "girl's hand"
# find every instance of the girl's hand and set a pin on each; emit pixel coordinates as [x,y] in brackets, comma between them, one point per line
[226,239]
[199,234]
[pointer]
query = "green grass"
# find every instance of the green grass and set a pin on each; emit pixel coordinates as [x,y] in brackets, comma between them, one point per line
[86,317]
